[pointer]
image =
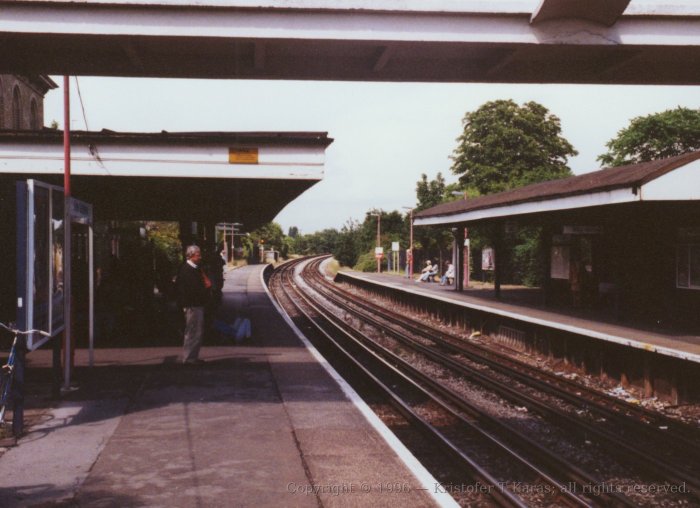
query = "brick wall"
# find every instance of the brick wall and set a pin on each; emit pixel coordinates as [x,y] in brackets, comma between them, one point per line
[30,101]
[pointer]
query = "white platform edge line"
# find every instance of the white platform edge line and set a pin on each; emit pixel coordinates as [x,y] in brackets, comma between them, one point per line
[414,466]
[663,350]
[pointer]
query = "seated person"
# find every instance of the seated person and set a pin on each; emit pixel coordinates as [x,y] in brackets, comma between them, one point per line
[434,270]
[449,275]
[425,272]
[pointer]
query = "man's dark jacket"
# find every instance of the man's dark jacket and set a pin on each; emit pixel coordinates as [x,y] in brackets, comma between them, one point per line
[191,291]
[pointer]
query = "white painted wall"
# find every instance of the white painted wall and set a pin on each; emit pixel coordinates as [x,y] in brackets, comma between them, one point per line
[295,163]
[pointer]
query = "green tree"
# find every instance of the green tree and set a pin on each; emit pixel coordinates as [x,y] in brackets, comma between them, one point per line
[504,146]
[322,242]
[166,251]
[270,235]
[655,136]
[165,237]
[347,249]
[430,193]
[432,242]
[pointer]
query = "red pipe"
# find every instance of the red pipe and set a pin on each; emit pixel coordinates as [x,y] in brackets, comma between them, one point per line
[66,137]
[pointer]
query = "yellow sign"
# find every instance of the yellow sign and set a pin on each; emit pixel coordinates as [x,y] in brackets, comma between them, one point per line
[242,155]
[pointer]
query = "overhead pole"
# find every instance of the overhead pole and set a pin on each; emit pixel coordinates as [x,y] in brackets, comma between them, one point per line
[67,256]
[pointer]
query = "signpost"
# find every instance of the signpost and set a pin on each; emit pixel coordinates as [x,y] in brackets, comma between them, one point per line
[395,256]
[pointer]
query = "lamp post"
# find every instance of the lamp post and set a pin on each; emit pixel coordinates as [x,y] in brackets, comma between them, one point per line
[377,252]
[409,260]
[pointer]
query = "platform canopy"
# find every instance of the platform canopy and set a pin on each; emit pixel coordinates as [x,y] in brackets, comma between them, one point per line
[509,41]
[245,177]
[675,179]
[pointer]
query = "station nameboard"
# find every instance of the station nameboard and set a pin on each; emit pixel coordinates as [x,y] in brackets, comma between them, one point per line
[242,155]
[81,212]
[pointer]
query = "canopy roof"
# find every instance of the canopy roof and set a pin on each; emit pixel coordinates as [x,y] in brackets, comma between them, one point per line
[526,41]
[674,178]
[243,177]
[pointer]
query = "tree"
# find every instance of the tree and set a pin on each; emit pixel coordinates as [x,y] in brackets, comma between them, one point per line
[347,248]
[504,146]
[431,242]
[655,136]
[430,193]
[270,235]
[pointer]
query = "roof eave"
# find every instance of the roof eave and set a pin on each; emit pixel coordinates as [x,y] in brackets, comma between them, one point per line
[619,195]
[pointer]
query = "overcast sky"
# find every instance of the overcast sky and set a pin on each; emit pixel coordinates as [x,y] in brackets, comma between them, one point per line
[386,134]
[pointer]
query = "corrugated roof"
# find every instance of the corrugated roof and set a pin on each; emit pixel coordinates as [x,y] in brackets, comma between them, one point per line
[632,175]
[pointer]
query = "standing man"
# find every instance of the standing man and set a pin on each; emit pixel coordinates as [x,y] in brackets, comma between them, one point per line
[193,288]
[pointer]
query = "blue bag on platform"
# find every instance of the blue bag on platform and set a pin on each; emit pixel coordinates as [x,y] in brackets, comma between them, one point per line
[243,329]
[225,329]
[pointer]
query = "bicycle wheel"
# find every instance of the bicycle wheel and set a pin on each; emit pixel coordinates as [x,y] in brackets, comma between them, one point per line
[5,392]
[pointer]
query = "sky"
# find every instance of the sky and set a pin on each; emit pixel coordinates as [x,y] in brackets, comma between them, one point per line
[385,134]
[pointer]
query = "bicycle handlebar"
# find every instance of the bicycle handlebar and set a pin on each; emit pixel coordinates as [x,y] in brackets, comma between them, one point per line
[25,332]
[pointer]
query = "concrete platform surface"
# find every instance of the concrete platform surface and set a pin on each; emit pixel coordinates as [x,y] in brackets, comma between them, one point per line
[264,423]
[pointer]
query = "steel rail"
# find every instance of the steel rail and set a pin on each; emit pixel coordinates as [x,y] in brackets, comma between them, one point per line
[562,489]
[503,497]
[548,383]
[630,451]
[686,439]
[505,433]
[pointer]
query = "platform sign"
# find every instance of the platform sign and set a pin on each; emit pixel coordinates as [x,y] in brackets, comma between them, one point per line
[487,259]
[242,155]
[560,262]
[395,247]
[379,252]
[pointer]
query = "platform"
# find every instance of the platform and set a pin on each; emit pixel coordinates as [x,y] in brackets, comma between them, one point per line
[514,306]
[259,424]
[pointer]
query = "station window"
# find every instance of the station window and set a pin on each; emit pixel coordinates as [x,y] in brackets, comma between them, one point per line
[688,266]
[16,109]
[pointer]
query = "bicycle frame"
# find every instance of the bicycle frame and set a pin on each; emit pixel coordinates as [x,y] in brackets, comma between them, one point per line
[8,370]
[6,383]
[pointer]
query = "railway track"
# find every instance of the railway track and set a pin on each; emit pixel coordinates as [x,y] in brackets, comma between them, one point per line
[514,470]
[623,429]
[665,449]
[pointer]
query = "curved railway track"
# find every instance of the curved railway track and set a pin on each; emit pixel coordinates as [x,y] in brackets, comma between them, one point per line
[626,430]
[662,447]
[517,470]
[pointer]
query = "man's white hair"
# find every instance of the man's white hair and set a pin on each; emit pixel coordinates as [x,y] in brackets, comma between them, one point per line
[191,251]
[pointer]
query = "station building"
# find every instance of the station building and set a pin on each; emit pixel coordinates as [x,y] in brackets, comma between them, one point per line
[22,101]
[197,179]
[624,241]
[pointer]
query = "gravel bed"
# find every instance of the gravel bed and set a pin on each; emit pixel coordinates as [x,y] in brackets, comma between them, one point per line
[613,475]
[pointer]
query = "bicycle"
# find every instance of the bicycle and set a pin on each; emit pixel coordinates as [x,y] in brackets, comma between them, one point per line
[7,371]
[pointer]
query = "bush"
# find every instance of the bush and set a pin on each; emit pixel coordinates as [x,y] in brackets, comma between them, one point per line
[332,267]
[368,263]
[527,259]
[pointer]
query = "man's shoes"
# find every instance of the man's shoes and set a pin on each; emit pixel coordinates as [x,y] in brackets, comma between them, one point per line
[194,361]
